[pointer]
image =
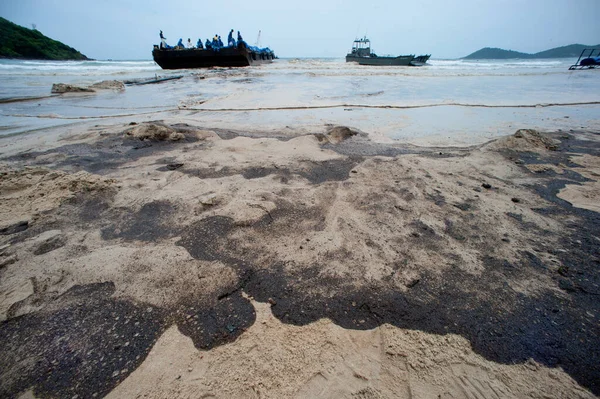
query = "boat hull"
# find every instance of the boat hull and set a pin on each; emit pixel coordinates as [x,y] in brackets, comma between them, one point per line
[420,60]
[239,56]
[402,60]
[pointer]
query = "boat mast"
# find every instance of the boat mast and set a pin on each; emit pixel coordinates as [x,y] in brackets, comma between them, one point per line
[257,44]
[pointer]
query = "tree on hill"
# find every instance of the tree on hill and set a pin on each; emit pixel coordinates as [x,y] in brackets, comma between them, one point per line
[19,42]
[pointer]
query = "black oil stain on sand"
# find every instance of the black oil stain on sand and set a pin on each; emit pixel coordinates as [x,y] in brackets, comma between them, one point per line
[501,324]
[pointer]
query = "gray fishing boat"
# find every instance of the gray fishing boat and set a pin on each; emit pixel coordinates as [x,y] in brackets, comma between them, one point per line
[361,53]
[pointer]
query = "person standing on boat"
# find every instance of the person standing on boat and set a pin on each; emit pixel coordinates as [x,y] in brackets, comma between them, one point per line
[240,37]
[189,44]
[163,41]
[230,39]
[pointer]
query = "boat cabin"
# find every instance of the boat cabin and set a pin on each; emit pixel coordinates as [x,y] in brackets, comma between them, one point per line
[361,48]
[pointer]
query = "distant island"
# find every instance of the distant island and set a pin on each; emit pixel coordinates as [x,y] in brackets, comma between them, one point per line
[31,44]
[488,53]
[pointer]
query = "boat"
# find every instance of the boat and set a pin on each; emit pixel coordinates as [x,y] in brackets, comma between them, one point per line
[240,55]
[420,60]
[588,59]
[361,53]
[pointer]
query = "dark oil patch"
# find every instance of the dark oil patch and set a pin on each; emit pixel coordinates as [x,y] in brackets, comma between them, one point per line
[220,322]
[104,155]
[437,198]
[208,238]
[333,170]
[83,343]
[150,223]
[259,172]
[315,172]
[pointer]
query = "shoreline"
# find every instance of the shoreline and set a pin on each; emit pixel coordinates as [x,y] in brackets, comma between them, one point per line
[166,259]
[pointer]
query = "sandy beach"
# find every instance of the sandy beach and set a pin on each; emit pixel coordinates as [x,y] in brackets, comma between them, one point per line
[167,259]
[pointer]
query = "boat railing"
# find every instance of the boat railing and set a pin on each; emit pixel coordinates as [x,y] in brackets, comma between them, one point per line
[588,59]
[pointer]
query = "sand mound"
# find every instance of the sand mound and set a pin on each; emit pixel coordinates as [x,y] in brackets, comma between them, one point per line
[337,134]
[109,85]
[60,88]
[525,140]
[155,132]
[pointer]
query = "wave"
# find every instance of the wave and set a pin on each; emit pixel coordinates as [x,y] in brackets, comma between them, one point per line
[29,67]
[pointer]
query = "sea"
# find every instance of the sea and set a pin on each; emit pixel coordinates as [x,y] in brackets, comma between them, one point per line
[445,103]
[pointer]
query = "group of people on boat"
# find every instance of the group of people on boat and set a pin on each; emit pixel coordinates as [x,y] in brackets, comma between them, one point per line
[216,43]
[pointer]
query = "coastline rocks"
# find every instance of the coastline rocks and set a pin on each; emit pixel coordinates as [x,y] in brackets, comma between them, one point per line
[154,132]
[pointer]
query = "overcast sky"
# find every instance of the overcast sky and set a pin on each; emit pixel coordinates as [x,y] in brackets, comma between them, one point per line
[127,29]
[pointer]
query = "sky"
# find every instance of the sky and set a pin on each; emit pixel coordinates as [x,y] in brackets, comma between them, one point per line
[127,29]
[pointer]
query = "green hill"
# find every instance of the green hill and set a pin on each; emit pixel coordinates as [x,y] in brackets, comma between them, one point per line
[489,53]
[19,42]
[573,50]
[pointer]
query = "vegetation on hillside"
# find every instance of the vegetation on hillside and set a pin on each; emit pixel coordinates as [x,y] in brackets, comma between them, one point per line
[573,50]
[19,42]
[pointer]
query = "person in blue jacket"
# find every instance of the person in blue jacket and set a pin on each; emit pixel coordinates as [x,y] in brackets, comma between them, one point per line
[180,43]
[230,39]
[208,45]
[199,44]
[240,37]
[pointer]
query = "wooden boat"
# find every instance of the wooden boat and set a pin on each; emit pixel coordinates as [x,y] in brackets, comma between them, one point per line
[239,56]
[361,53]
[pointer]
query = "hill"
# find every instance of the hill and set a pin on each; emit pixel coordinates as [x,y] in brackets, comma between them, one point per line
[20,42]
[489,53]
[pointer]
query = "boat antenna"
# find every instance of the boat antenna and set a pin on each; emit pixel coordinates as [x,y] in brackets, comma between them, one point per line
[257,40]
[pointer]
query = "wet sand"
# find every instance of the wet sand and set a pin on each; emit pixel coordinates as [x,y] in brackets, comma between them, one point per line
[170,260]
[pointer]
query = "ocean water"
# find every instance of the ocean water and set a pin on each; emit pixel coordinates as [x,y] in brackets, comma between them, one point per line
[448,102]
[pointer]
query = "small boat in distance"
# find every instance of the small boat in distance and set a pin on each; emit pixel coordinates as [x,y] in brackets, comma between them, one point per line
[361,53]
[240,55]
[588,59]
